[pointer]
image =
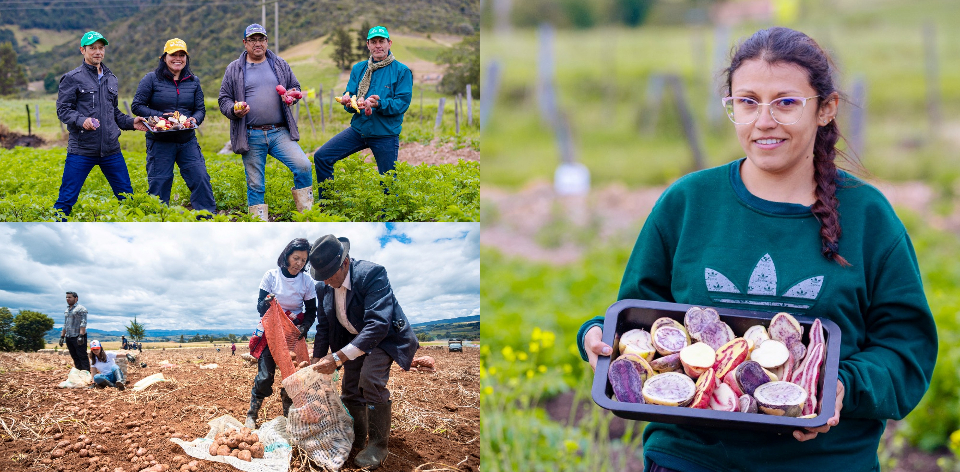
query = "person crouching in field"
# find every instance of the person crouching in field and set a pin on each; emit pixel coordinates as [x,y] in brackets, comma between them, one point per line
[261,120]
[87,105]
[382,88]
[104,368]
[172,87]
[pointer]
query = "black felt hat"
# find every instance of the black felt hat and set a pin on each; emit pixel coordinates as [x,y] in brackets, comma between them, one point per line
[327,255]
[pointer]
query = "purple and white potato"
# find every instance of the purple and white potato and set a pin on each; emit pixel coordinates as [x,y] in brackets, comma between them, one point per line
[669,389]
[627,374]
[781,398]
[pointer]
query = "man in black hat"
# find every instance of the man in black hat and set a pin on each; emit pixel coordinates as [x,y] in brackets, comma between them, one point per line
[361,327]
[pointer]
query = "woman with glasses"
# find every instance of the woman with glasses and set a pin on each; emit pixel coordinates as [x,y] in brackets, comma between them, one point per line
[784,230]
[293,289]
[172,88]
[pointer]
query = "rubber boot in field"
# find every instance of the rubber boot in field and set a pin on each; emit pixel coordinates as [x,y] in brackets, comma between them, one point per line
[287,402]
[255,404]
[260,211]
[359,413]
[303,198]
[378,420]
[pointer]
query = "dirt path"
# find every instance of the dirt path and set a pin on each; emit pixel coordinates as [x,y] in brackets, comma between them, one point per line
[436,417]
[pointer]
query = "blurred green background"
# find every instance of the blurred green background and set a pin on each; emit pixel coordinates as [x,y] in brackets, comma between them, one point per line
[551,261]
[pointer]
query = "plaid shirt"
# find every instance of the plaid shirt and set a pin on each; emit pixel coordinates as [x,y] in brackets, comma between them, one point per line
[74,318]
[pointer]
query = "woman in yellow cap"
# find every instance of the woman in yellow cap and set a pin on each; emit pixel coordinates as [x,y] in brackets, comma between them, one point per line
[170,88]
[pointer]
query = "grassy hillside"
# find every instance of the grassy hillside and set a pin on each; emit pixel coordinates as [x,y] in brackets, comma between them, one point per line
[213,33]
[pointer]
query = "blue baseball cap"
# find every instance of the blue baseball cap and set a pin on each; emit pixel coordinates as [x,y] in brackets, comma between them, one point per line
[378,31]
[254,29]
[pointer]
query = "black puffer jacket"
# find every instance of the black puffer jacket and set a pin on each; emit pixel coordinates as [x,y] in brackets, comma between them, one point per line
[80,97]
[159,93]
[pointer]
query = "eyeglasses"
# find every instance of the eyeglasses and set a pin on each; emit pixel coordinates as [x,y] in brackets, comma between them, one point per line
[784,110]
[249,40]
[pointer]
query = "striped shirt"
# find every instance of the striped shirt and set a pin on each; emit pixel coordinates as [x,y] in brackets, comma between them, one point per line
[74,318]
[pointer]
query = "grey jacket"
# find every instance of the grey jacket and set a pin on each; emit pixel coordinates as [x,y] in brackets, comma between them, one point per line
[372,310]
[80,97]
[232,90]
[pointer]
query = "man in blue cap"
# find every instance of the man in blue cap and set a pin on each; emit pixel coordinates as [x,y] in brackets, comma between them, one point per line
[256,94]
[383,88]
[87,104]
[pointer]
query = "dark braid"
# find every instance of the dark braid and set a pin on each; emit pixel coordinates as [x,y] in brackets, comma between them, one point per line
[787,46]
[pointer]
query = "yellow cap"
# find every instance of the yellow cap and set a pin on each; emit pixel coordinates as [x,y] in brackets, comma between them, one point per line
[174,45]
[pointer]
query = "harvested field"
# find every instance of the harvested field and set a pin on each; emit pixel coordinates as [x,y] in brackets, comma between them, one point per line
[436,416]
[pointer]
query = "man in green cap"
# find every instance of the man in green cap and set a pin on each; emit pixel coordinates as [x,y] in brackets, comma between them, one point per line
[87,104]
[382,87]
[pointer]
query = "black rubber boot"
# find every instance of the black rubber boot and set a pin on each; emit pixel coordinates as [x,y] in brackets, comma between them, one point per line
[287,402]
[378,419]
[255,404]
[359,413]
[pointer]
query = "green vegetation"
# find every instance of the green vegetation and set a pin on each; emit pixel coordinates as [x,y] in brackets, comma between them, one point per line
[136,331]
[7,339]
[462,67]
[12,77]
[29,327]
[468,330]
[602,77]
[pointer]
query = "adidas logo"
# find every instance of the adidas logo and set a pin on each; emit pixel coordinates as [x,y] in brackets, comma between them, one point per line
[761,287]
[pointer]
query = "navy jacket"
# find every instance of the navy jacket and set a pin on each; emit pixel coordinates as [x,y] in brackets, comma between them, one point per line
[372,310]
[157,95]
[80,97]
[232,91]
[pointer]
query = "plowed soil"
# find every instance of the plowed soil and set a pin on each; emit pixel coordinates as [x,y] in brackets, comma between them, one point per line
[436,417]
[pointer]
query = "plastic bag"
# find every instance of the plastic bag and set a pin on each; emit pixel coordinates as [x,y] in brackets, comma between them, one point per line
[283,337]
[77,379]
[273,436]
[148,381]
[318,422]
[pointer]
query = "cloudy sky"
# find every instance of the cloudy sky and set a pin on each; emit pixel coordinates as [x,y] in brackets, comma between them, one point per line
[206,276]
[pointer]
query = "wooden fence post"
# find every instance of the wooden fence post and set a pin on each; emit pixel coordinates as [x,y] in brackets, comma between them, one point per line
[686,118]
[489,95]
[38,115]
[456,112]
[721,38]
[29,129]
[653,102]
[323,126]
[421,105]
[469,106]
[313,129]
[332,101]
[858,114]
[127,106]
[443,101]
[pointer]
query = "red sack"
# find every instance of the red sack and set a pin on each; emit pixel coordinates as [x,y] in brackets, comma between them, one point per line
[283,337]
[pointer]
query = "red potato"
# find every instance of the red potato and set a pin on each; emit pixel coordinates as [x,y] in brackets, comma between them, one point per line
[705,386]
[697,358]
[724,399]
[809,378]
[729,356]
[731,380]
[281,89]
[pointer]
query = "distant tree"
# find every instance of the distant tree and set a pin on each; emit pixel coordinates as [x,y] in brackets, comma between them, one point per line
[12,77]
[8,35]
[136,331]
[7,338]
[342,48]
[232,338]
[462,67]
[362,52]
[50,83]
[424,337]
[181,339]
[29,327]
[244,338]
[196,338]
[632,13]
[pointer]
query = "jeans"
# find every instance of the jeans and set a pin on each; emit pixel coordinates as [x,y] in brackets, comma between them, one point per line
[162,155]
[108,378]
[76,169]
[349,141]
[278,144]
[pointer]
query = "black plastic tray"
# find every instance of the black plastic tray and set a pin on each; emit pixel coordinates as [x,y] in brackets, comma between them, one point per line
[631,314]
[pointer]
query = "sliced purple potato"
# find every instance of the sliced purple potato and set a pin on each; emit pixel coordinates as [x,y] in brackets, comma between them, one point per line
[749,376]
[747,404]
[670,363]
[717,334]
[780,398]
[669,389]
[627,374]
[698,318]
[670,340]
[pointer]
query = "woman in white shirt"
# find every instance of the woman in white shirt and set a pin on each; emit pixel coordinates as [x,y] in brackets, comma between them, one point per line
[293,288]
[104,367]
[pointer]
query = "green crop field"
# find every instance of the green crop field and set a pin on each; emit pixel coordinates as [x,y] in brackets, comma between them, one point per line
[30,178]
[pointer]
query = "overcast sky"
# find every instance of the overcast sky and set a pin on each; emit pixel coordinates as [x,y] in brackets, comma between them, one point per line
[206,276]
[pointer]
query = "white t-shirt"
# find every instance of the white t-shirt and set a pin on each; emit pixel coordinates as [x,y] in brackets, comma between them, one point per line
[106,367]
[290,292]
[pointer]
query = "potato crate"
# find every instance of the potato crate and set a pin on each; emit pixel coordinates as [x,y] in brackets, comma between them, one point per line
[625,315]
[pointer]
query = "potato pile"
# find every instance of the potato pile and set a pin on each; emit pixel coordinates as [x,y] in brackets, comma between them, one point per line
[242,444]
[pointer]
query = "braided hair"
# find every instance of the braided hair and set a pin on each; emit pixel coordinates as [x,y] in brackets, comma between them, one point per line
[787,46]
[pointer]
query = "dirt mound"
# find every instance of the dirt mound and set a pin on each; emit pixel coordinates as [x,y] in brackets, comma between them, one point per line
[416,153]
[436,416]
[10,140]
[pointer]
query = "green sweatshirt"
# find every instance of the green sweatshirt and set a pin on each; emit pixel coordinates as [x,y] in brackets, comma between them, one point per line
[709,242]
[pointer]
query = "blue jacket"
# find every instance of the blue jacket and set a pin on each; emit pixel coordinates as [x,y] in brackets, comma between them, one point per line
[157,95]
[232,91]
[372,310]
[394,85]
[81,96]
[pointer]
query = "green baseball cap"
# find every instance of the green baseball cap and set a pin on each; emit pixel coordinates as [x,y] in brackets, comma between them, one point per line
[91,37]
[378,31]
